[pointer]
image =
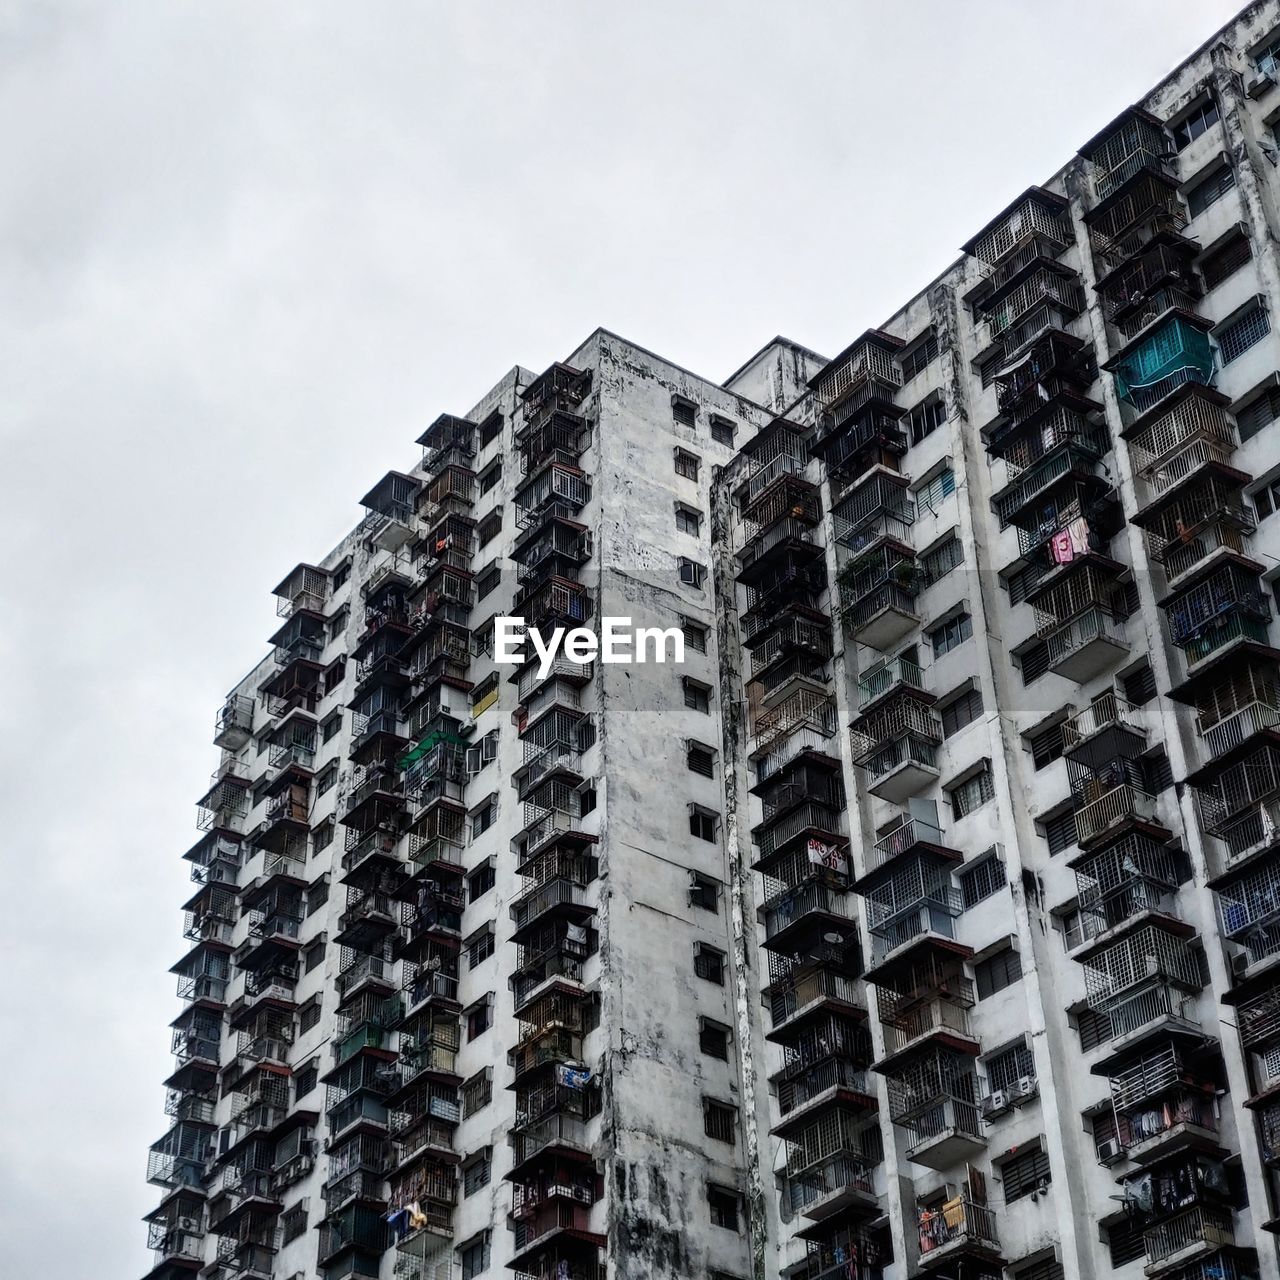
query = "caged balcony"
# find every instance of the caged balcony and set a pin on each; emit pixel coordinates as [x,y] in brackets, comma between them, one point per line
[912,898]
[1108,728]
[1203,520]
[867,370]
[1129,877]
[1132,146]
[560,388]
[1038,221]
[1217,609]
[1174,353]
[305,587]
[1249,907]
[1162,956]
[234,726]
[830,1160]
[1238,708]
[896,743]
[936,1098]
[557,484]
[1148,211]
[391,511]
[877,594]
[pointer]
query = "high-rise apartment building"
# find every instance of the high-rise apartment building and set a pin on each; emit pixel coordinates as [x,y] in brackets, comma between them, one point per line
[925,921]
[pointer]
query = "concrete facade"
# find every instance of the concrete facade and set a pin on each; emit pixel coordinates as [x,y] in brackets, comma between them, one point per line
[922,921]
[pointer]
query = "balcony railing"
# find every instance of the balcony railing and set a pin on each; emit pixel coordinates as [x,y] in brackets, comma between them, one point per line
[792,905]
[1199,1227]
[1124,803]
[958,1219]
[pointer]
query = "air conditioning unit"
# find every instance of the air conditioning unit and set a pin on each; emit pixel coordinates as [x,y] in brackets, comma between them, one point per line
[995,1102]
[467,728]
[1109,1151]
[1026,1086]
[1239,962]
[1259,84]
[189,1224]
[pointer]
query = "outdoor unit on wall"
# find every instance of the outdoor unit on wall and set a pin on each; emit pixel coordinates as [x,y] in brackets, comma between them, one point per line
[1109,1151]
[1259,84]
[996,1102]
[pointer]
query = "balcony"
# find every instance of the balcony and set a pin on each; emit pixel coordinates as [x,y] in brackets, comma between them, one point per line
[1103,806]
[959,1225]
[900,768]
[1151,956]
[1204,525]
[839,1183]
[935,1098]
[913,829]
[877,595]
[806,992]
[809,819]
[1037,217]
[914,898]
[1176,352]
[892,675]
[1236,804]
[234,726]
[567,487]
[1148,210]
[866,369]
[939,1020]
[1085,646]
[829,1161]
[1250,912]
[306,587]
[564,896]
[1109,728]
[801,918]
[1048,283]
[1187,1236]
[1134,145]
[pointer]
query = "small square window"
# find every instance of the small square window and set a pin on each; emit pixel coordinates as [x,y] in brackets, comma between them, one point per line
[708,963]
[684,412]
[719,1120]
[338,623]
[340,575]
[695,635]
[722,430]
[713,1039]
[489,527]
[703,824]
[700,759]
[479,882]
[687,464]
[476,1172]
[723,1204]
[479,1018]
[691,572]
[688,520]
[490,429]
[697,696]
[491,475]
[479,947]
[704,892]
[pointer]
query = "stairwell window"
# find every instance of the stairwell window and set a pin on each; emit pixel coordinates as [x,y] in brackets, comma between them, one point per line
[713,1039]
[479,947]
[708,963]
[477,1092]
[684,412]
[926,418]
[1238,335]
[476,1172]
[700,758]
[1224,261]
[695,635]
[697,695]
[920,357]
[704,892]
[691,572]
[688,520]
[687,464]
[475,1257]
[959,710]
[1059,831]
[479,1017]
[1259,413]
[490,428]
[722,430]
[703,823]
[972,792]
[723,1205]
[1046,746]
[719,1120]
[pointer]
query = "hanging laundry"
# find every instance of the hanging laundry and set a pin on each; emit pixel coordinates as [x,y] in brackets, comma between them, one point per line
[576,933]
[1060,547]
[953,1213]
[572,1077]
[1079,531]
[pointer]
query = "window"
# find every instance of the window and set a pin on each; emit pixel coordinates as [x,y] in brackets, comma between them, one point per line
[479,1017]
[1139,686]
[479,946]
[723,1204]
[697,696]
[317,894]
[708,963]
[1207,192]
[340,575]
[487,579]
[1242,333]
[1259,413]
[926,418]
[1157,773]
[713,1039]
[683,411]
[491,475]
[695,635]
[688,520]
[961,710]
[703,823]
[982,881]
[939,562]
[997,972]
[293,1222]
[687,464]
[484,817]
[477,1092]
[1224,261]
[1033,662]
[948,635]
[476,1172]
[1008,1068]
[1126,1241]
[691,572]
[338,623]
[1019,584]
[587,801]
[479,882]
[1025,1174]
[489,527]
[322,836]
[1191,127]
[930,495]
[704,892]
[309,1016]
[1094,1028]
[313,955]
[719,1120]
[490,428]
[483,754]
[484,695]
[722,430]
[700,758]
[1267,499]
[987,369]
[328,777]
[920,357]
[331,727]
[475,1257]
[972,793]
[1060,831]
[306,1080]
[1046,746]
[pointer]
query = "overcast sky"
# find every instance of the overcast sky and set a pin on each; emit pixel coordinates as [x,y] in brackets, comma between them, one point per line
[250,250]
